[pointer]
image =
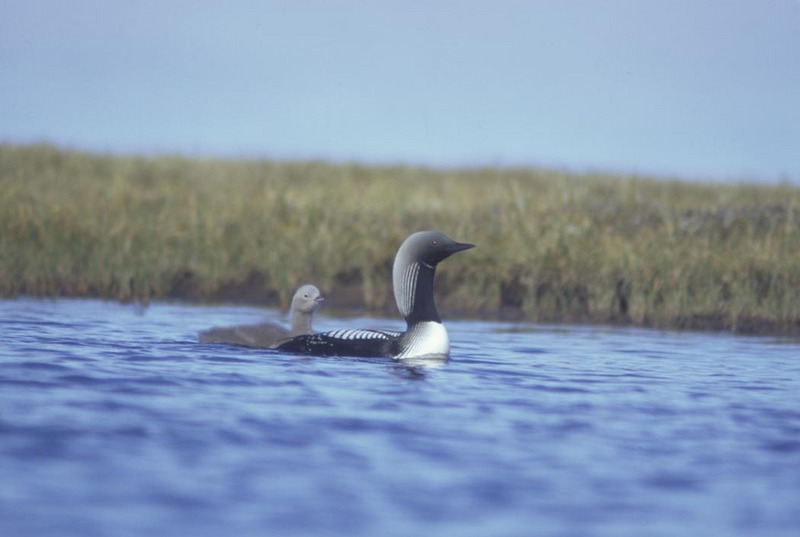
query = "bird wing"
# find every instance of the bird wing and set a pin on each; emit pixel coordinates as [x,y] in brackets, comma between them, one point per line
[343,342]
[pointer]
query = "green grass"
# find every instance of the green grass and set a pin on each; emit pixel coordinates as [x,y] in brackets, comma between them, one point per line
[552,246]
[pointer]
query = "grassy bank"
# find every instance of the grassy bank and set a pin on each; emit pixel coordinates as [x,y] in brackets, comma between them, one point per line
[552,246]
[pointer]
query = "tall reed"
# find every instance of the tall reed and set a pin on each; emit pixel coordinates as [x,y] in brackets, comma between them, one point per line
[552,245]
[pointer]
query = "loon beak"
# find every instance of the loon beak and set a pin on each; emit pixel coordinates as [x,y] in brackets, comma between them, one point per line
[458,246]
[455,247]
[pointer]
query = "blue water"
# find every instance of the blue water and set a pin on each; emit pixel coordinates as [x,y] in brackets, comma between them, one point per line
[115,422]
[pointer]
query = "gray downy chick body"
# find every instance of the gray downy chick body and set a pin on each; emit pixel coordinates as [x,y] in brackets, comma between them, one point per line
[305,302]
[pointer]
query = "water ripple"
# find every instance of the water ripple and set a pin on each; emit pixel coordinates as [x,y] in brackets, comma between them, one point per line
[114,421]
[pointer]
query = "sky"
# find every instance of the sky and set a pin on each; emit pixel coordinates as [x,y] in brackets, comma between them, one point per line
[699,89]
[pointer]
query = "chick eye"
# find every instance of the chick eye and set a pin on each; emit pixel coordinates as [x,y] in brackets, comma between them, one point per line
[305,295]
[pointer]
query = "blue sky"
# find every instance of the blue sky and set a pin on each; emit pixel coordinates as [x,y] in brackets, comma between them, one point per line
[696,88]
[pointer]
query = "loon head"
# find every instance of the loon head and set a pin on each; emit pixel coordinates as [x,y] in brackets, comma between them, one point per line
[306,299]
[414,269]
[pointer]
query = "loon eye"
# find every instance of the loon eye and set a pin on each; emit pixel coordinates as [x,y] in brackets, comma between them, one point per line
[435,244]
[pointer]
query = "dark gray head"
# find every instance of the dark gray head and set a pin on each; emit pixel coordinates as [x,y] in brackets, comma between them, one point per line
[413,272]
[306,299]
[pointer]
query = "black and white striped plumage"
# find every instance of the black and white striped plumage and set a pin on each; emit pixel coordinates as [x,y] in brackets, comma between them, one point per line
[412,278]
[344,343]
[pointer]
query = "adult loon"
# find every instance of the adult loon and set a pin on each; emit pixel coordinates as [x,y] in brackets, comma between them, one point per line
[412,279]
[269,335]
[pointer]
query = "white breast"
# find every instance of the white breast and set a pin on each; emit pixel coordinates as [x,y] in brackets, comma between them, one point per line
[425,339]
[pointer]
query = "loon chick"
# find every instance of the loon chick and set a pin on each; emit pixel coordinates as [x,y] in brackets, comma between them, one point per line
[412,279]
[269,335]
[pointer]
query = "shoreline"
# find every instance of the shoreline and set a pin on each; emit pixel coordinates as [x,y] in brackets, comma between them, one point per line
[346,300]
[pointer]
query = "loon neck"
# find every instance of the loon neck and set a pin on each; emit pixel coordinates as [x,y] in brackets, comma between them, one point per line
[300,322]
[413,291]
